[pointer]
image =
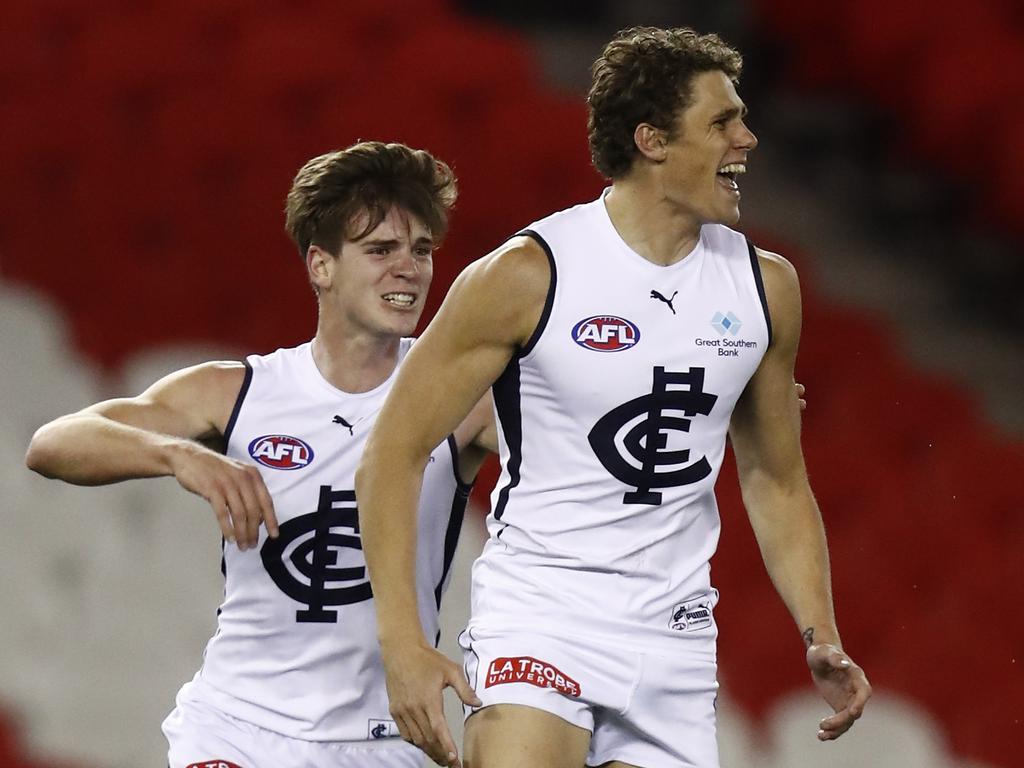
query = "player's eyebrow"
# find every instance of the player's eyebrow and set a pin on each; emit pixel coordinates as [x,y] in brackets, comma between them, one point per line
[729,113]
[391,242]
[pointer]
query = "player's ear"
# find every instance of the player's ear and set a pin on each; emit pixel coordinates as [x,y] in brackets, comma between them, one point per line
[651,142]
[320,265]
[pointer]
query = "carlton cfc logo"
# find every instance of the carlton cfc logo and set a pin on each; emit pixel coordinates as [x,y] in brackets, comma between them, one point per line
[605,333]
[281,452]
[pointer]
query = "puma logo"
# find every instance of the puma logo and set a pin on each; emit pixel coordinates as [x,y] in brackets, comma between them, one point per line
[340,420]
[659,297]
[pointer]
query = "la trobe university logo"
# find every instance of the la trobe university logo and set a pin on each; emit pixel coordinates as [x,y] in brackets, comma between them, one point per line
[315,563]
[632,440]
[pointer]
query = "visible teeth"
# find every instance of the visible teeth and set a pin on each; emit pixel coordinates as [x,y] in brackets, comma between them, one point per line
[733,168]
[399,299]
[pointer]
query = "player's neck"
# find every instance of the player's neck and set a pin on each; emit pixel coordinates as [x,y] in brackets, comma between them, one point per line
[649,223]
[354,362]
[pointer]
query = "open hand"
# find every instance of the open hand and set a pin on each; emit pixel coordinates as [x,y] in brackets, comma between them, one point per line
[842,684]
[416,677]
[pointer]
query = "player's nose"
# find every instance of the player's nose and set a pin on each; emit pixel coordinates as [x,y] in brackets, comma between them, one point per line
[746,139]
[404,264]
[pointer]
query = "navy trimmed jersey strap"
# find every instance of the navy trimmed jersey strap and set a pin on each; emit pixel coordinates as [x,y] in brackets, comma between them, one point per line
[755,266]
[454,448]
[549,300]
[510,418]
[238,405]
[451,537]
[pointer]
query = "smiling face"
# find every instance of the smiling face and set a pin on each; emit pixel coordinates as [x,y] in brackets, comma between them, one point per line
[377,285]
[708,151]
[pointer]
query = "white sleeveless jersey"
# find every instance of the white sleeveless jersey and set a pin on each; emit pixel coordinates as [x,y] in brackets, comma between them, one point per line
[296,648]
[613,422]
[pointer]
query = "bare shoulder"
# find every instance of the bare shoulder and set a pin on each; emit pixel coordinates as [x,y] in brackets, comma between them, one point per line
[782,291]
[193,402]
[777,269]
[205,380]
[519,266]
[781,283]
[502,295]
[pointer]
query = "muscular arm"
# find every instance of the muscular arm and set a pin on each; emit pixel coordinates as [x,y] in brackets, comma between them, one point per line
[491,310]
[765,433]
[160,433]
[140,436]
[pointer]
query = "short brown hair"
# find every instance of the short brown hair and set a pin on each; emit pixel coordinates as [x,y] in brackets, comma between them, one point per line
[645,75]
[330,191]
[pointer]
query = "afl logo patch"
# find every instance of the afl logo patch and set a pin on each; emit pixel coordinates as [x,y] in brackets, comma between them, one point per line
[605,333]
[281,452]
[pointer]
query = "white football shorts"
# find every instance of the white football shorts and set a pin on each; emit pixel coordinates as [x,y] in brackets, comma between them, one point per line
[641,708]
[200,736]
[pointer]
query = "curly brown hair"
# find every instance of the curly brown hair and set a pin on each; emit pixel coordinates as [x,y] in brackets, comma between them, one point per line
[332,190]
[645,75]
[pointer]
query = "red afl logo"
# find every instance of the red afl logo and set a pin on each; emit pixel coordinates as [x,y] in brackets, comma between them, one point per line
[605,333]
[281,452]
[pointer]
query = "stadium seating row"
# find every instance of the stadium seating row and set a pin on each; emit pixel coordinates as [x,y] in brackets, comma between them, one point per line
[185,168]
[947,72]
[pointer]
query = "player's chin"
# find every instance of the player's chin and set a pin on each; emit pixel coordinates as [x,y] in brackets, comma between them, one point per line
[404,322]
[728,216]
[727,211]
[402,329]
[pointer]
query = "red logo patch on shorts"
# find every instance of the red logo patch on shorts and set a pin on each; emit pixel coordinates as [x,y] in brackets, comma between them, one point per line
[214,764]
[526,669]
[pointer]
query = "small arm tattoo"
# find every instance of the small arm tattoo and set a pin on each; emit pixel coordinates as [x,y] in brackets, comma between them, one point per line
[808,636]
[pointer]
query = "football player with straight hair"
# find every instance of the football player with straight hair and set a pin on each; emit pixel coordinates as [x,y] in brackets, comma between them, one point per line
[293,675]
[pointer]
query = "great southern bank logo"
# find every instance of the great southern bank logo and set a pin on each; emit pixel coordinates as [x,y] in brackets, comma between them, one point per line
[605,333]
[727,323]
[726,345]
[281,452]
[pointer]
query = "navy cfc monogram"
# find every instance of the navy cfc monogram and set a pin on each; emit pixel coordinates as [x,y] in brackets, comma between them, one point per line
[296,648]
[315,557]
[647,440]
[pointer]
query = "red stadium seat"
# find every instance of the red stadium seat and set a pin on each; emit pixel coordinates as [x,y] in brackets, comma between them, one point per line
[938,68]
[958,89]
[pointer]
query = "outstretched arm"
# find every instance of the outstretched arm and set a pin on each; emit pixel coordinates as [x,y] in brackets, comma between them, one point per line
[158,433]
[765,433]
[491,310]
